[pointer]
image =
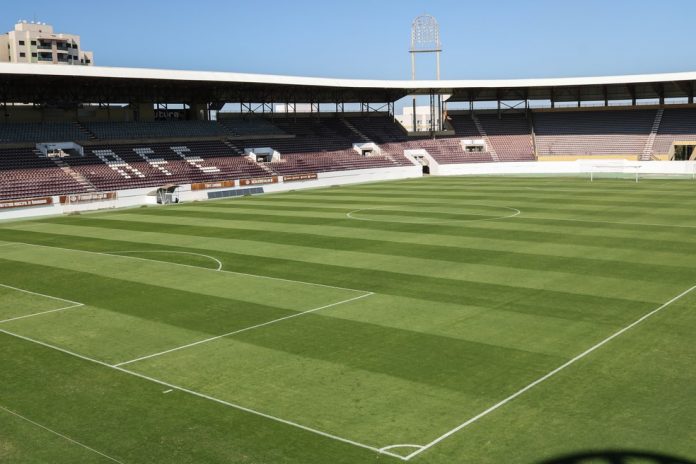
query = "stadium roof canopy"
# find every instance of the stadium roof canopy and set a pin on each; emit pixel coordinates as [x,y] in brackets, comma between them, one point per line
[36,83]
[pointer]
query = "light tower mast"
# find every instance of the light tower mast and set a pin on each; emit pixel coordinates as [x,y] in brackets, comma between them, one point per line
[425,38]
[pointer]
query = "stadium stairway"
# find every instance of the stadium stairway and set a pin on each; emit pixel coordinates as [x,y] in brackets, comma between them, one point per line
[647,154]
[234,147]
[77,177]
[88,134]
[353,129]
[483,133]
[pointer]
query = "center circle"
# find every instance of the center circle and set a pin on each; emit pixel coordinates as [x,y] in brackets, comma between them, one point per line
[432,214]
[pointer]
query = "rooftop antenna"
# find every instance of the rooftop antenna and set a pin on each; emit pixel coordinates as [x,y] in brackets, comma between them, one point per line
[425,38]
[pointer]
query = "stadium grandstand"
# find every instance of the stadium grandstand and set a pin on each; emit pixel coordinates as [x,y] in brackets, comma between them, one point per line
[64,131]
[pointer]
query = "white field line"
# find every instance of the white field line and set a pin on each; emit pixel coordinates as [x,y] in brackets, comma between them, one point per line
[219,263]
[246,329]
[73,304]
[391,447]
[204,396]
[41,313]
[516,212]
[547,376]
[60,435]
[385,449]
[39,294]
[193,267]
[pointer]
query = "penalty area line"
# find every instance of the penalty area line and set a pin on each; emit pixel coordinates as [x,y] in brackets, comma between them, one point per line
[246,329]
[65,437]
[217,261]
[204,396]
[547,376]
[258,276]
[78,305]
[39,294]
[73,304]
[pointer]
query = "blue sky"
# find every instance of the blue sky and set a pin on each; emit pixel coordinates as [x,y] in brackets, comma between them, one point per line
[370,39]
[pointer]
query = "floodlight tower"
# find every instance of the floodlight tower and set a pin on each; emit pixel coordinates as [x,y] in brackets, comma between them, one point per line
[425,38]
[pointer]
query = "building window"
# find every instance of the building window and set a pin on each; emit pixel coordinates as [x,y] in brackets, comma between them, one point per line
[34,55]
[33,43]
[74,45]
[21,42]
[22,55]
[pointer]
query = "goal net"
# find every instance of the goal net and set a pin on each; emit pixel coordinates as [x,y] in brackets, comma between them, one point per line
[614,171]
[638,172]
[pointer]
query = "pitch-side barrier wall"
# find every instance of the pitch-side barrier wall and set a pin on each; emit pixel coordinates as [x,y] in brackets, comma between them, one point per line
[47,206]
[579,167]
[56,205]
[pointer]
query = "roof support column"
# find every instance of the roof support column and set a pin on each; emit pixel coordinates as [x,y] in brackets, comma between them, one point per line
[606,95]
[632,91]
[526,103]
[199,111]
[440,121]
[662,94]
[433,110]
[553,96]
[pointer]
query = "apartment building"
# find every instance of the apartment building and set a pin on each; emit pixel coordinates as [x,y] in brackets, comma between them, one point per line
[34,42]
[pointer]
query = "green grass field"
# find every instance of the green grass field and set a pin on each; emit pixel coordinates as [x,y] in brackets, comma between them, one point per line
[441,320]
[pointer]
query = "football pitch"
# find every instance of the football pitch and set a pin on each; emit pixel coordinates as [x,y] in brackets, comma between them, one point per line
[438,320]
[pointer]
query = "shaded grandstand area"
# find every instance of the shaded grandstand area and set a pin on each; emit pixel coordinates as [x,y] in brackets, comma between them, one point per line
[123,155]
[143,144]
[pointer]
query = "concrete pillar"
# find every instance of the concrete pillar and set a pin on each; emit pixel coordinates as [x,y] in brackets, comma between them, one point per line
[198,112]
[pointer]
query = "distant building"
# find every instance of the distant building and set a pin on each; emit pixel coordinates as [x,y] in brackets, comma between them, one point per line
[32,42]
[423,118]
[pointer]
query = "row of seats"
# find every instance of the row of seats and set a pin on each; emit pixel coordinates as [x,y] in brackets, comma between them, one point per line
[320,145]
[510,136]
[23,174]
[155,129]
[676,126]
[557,133]
[73,131]
[111,167]
[39,132]
[593,132]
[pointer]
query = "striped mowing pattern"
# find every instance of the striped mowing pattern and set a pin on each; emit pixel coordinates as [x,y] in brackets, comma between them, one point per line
[376,315]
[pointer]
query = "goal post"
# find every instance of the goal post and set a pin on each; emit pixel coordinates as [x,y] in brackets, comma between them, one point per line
[615,171]
[641,171]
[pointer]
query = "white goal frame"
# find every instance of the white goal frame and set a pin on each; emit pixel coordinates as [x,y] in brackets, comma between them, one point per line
[637,171]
